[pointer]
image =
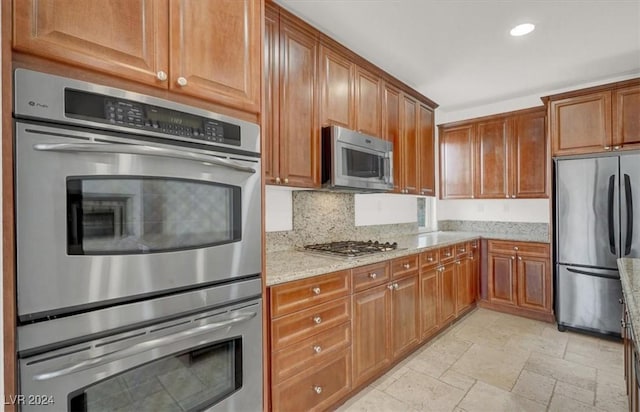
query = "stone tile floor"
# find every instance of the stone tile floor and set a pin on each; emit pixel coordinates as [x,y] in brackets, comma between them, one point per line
[490,361]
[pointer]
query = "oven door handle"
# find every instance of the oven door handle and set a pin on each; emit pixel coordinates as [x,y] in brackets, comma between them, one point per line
[140,150]
[142,347]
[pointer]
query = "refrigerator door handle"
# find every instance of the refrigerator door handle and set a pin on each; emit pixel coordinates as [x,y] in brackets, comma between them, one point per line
[594,274]
[610,211]
[629,201]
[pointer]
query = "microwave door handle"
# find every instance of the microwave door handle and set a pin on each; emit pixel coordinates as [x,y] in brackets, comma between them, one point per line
[141,150]
[141,347]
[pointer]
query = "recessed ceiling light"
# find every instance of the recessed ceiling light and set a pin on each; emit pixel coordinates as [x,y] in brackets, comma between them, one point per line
[522,29]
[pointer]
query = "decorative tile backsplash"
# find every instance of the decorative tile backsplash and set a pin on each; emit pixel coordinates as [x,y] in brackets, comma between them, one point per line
[539,229]
[320,217]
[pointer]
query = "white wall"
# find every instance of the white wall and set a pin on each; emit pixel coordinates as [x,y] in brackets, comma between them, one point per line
[516,210]
[278,214]
[381,209]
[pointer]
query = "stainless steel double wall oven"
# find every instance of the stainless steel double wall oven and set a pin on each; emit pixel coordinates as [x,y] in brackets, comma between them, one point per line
[138,250]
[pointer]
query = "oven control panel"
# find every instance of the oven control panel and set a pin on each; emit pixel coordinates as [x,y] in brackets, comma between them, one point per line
[138,115]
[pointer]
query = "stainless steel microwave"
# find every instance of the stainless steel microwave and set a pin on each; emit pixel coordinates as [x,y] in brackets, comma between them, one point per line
[356,162]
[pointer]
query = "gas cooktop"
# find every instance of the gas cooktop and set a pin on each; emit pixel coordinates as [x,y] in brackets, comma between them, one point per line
[351,248]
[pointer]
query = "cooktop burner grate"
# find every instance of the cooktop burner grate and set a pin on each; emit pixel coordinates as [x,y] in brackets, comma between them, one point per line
[352,248]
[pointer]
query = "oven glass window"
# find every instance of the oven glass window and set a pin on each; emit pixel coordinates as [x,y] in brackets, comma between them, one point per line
[128,215]
[190,381]
[361,164]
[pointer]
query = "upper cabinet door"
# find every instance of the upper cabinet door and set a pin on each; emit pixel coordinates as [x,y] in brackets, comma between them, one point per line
[409,144]
[216,51]
[391,128]
[492,159]
[336,87]
[456,162]
[368,103]
[626,125]
[581,124]
[426,157]
[125,38]
[299,137]
[271,129]
[529,173]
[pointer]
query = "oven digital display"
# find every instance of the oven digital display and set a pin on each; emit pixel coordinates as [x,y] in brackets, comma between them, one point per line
[159,115]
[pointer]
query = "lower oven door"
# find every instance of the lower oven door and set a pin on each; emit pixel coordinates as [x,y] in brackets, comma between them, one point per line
[207,361]
[105,219]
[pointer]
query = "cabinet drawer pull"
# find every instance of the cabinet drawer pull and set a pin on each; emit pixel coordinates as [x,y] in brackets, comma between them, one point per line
[513,258]
[447,254]
[286,180]
[395,286]
[316,290]
[390,287]
[317,389]
[513,196]
[515,248]
[430,259]
[519,257]
[616,147]
[317,349]
[458,262]
[278,180]
[507,196]
[162,76]
[406,266]
[182,81]
[441,269]
[317,320]
[373,275]
[462,250]
[607,148]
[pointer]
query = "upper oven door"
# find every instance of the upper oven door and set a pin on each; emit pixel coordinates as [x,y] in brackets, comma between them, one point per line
[100,221]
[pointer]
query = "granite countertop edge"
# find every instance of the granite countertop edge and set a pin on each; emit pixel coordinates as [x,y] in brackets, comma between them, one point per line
[289,265]
[630,279]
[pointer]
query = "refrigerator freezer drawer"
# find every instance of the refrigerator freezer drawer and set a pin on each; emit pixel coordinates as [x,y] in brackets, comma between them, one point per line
[588,299]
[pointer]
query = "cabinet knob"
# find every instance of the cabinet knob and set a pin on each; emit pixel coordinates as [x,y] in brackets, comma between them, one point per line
[278,180]
[513,258]
[286,180]
[406,266]
[390,287]
[316,291]
[162,76]
[447,254]
[181,81]
[430,259]
[507,196]
[616,147]
[458,262]
[317,389]
[473,197]
[519,257]
[607,148]
[395,286]
[317,349]
[317,320]
[422,192]
[513,196]
[462,250]
[515,248]
[441,269]
[373,275]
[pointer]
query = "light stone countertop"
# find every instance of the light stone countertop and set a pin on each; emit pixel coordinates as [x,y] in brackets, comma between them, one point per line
[289,265]
[630,277]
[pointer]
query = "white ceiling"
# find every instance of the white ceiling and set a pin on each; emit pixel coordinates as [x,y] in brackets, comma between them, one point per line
[459,52]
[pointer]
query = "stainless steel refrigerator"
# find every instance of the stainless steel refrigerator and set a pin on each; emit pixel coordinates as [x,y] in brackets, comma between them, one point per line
[597,220]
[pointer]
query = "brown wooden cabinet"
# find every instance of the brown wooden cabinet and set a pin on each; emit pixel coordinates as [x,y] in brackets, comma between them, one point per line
[292,140]
[594,120]
[519,278]
[492,159]
[405,314]
[502,156]
[368,103]
[426,152]
[456,162]
[429,303]
[336,73]
[209,50]
[371,337]
[391,130]
[447,293]
[409,145]
[466,284]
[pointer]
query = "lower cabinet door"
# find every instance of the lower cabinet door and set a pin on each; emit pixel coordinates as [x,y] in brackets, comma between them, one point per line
[405,310]
[446,293]
[428,303]
[502,278]
[317,388]
[371,332]
[534,283]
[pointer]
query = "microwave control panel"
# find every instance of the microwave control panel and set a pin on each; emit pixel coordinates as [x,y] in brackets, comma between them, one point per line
[142,116]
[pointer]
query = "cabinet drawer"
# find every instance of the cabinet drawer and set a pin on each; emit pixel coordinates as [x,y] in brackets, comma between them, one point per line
[317,390]
[462,249]
[317,350]
[365,277]
[527,248]
[474,245]
[404,265]
[447,254]
[304,324]
[429,258]
[301,294]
